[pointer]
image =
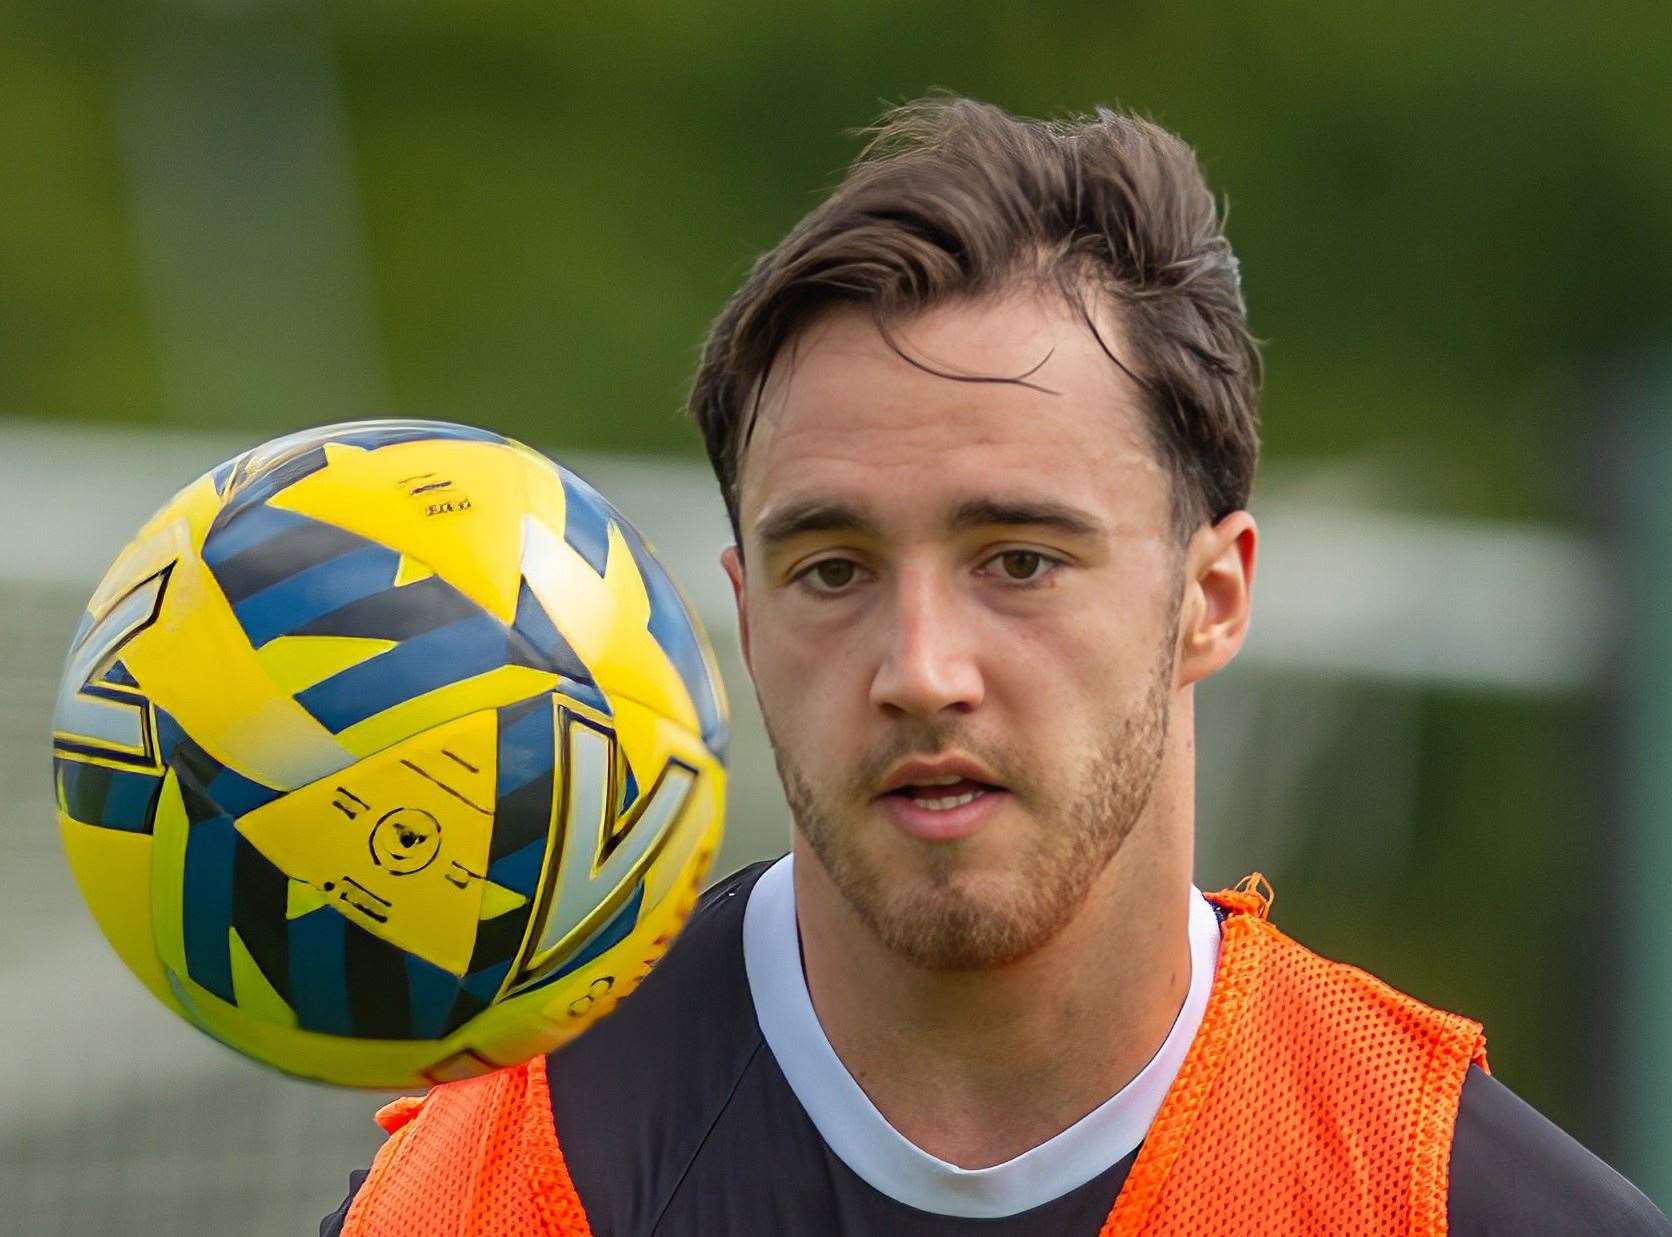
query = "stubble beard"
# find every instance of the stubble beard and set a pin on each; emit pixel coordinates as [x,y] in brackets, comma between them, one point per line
[940,918]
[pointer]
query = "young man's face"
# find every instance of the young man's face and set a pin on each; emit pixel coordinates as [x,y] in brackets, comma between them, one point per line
[959,604]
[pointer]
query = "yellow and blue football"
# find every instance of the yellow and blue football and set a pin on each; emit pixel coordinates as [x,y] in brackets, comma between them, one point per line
[387,753]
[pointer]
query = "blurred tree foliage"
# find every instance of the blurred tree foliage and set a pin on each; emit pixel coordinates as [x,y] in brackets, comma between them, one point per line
[1447,214]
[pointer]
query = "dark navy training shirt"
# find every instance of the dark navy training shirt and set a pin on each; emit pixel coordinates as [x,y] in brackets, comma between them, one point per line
[675,1119]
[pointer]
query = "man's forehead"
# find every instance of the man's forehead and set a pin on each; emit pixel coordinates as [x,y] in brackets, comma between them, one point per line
[1022,339]
[908,426]
[1018,373]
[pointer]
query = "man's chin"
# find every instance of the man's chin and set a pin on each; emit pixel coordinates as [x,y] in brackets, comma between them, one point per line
[941,915]
[957,934]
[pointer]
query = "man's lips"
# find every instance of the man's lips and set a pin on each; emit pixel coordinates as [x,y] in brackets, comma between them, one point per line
[943,794]
[942,813]
[934,773]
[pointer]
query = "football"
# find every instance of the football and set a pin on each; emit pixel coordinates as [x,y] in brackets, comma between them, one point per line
[387,753]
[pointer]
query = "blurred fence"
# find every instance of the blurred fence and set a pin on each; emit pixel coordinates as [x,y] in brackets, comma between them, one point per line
[113,1115]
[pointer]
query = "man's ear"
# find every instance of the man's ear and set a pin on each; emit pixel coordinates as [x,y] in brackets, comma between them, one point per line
[1218,594]
[732,561]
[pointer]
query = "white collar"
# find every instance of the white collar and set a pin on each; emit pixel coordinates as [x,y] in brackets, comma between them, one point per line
[853,1128]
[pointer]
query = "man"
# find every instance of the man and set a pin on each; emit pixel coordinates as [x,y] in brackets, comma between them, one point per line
[985,426]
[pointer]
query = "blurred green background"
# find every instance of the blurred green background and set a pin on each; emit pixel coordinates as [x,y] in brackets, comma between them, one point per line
[244,216]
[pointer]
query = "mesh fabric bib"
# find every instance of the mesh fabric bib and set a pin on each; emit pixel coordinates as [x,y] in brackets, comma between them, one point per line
[1315,1100]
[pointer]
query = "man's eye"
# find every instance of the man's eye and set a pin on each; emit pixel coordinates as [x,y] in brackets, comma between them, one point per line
[1022,566]
[831,575]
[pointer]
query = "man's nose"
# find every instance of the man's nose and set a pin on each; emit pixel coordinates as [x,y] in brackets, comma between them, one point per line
[929,661]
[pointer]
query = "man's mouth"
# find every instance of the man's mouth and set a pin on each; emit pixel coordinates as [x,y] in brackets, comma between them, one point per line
[942,794]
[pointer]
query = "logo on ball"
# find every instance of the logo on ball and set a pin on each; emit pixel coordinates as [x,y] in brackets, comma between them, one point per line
[405,840]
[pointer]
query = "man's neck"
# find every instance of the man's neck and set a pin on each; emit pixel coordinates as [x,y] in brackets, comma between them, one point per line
[976,1068]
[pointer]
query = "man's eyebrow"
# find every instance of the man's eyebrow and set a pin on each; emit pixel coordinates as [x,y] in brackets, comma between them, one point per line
[822,516]
[815,516]
[982,512]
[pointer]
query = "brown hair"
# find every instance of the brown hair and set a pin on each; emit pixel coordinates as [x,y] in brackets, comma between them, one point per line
[952,198]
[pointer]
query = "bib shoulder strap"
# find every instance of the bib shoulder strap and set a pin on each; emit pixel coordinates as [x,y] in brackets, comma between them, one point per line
[477,1157]
[1314,1098]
